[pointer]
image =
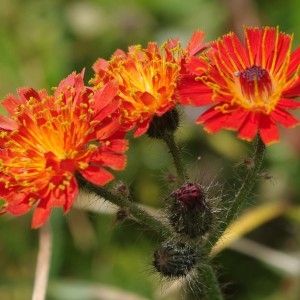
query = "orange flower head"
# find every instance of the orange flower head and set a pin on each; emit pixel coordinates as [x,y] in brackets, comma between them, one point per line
[147,79]
[250,86]
[49,138]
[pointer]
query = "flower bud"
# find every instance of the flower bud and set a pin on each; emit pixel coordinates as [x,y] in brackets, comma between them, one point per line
[188,210]
[174,259]
[122,189]
[122,214]
[166,124]
[248,162]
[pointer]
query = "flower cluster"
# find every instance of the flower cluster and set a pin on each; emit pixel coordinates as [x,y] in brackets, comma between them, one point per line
[48,139]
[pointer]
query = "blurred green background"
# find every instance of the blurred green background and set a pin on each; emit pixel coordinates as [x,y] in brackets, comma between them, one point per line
[41,42]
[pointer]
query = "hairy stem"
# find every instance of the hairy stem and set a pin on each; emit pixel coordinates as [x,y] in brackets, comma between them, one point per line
[176,154]
[204,272]
[204,284]
[138,213]
[243,192]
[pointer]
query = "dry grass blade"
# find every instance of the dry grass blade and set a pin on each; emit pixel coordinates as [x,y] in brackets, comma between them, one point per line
[43,263]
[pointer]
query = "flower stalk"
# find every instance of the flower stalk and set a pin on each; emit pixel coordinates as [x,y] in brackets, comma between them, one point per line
[213,291]
[204,271]
[208,288]
[143,217]
[242,194]
[169,139]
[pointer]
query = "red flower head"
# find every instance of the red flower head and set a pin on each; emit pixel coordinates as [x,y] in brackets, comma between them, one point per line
[147,79]
[250,86]
[49,138]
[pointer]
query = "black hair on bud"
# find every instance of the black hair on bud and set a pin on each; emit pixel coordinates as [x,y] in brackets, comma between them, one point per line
[166,124]
[188,210]
[174,259]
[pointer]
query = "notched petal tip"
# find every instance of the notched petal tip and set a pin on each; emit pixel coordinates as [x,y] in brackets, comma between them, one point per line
[195,44]
[100,65]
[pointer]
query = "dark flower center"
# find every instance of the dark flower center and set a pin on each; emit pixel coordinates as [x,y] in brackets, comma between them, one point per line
[256,84]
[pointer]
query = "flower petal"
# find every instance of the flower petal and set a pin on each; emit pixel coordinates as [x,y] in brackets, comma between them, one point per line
[117,145]
[249,128]
[286,103]
[235,52]
[294,62]
[268,130]
[284,118]
[108,129]
[192,92]
[213,120]
[115,161]
[40,216]
[142,128]
[105,95]
[97,175]
[7,123]
[195,44]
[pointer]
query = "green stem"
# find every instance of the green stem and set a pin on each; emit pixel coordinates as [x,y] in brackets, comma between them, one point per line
[248,182]
[210,281]
[205,284]
[138,213]
[240,197]
[213,291]
[204,272]
[176,154]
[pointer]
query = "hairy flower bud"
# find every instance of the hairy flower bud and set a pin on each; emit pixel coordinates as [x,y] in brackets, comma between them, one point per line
[167,123]
[174,259]
[122,214]
[188,210]
[122,189]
